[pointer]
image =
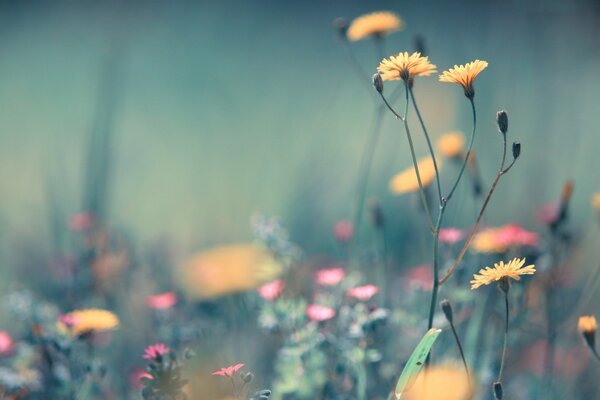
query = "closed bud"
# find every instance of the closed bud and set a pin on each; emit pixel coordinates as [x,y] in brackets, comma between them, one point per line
[419,42]
[516,150]
[378,83]
[502,120]
[447,309]
[498,391]
[376,213]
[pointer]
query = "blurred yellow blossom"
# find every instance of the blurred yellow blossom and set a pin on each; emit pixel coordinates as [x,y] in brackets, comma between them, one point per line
[451,144]
[406,181]
[405,66]
[90,320]
[440,382]
[375,24]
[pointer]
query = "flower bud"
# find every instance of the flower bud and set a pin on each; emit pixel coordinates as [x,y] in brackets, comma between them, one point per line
[588,326]
[516,150]
[498,391]
[378,83]
[419,43]
[502,120]
[376,213]
[447,309]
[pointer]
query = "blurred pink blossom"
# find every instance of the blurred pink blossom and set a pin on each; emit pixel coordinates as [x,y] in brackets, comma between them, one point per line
[81,222]
[343,230]
[330,277]
[155,351]
[319,313]
[420,277]
[514,235]
[271,290]
[547,213]
[135,378]
[451,235]
[363,293]
[162,301]
[6,343]
[229,371]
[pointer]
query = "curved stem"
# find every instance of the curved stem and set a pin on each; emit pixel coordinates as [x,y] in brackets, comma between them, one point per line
[431,152]
[436,267]
[505,338]
[462,356]
[462,169]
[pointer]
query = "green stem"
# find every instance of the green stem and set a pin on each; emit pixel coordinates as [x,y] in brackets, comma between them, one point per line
[462,169]
[361,384]
[431,152]
[436,266]
[462,356]
[505,338]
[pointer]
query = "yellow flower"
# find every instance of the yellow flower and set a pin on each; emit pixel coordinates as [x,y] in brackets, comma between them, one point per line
[406,181]
[228,269]
[90,320]
[451,144]
[487,241]
[376,24]
[440,382]
[464,75]
[513,269]
[587,324]
[405,66]
[596,201]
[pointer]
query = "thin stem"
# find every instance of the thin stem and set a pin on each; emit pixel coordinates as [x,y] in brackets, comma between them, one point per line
[462,169]
[505,338]
[462,354]
[436,266]
[431,152]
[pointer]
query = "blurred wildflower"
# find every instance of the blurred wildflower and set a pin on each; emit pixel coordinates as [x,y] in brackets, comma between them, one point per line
[6,343]
[229,371]
[596,201]
[162,301]
[81,222]
[406,181]
[155,351]
[405,66]
[136,378]
[451,235]
[588,326]
[363,293]
[272,290]
[440,382]
[375,24]
[501,271]
[343,231]
[316,312]
[547,213]
[84,321]
[420,277]
[464,75]
[451,144]
[498,240]
[228,269]
[330,277]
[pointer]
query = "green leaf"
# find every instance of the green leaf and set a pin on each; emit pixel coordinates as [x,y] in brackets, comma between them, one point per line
[416,361]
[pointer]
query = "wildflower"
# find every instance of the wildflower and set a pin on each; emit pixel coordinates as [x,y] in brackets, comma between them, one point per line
[81,222]
[376,24]
[464,75]
[596,201]
[316,312]
[440,382]
[547,213]
[91,320]
[229,371]
[155,352]
[406,181]
[588,326]
[228,269]
[514,235]
[501,272]
[6,343]
[405,66]
[162,301]
[451,235]
[363,293]
[343,230]
[272,290]
[330,277]
[136,378]
[420,277]
[451,144]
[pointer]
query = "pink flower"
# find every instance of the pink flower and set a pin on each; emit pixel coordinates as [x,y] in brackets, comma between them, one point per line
[343,230]
[81,222]
[319,313]
[547,213]
[270,291]
[229,371]
[162,301]
[363,293]
[155,351]
[68,320]
[420,277]
[330,277]
[136,376]
[514,235]
[6,343]
[451,235]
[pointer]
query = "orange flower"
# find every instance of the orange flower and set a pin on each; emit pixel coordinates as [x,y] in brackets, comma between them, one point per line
[587,324]
[464,75]
[451,144]
[376,24]
[440,382]
[406,181]
[404,66]
[80,322]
